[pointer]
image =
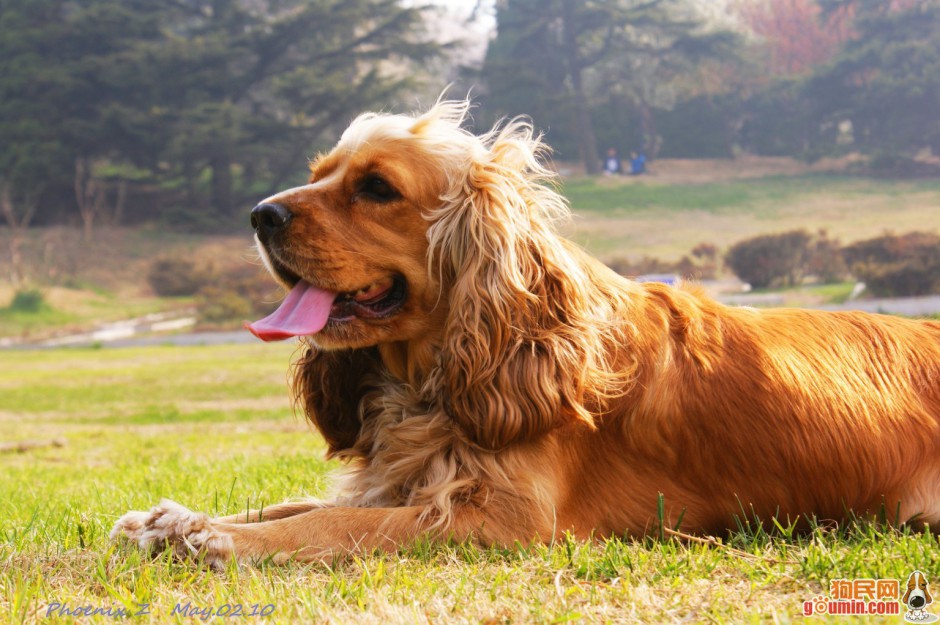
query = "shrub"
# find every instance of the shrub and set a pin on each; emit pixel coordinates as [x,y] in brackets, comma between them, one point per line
[28,301]
[645,265]
[176,277]
[221,306]
[785,259]
[701,265]
[706,261]
[897,265]
[238,294]
[825,259]
[892,165]
[771,259]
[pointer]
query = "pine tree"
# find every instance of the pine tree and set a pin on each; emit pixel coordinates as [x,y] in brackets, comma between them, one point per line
[553,59]
[885,81]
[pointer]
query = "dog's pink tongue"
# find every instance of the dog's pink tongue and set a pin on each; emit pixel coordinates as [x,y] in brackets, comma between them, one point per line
[304,311]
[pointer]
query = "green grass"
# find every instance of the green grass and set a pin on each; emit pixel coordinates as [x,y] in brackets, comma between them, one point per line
[614,218]
[17,322]
[602,195]
[811,295]
[73,309]
[630,218]
[836,293]
[211,427]
[587,194]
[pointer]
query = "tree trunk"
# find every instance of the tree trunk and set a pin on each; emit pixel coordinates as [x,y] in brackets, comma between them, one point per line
[16,259]
[17,225]
[587,142]
[89,194]
[221,199]
[648,131]
[118,214]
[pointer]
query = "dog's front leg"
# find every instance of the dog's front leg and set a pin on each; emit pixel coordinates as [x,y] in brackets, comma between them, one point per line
[274,512]
[318,534]
[327,533]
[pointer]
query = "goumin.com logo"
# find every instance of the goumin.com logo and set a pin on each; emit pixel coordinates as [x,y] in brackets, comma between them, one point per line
[876,597]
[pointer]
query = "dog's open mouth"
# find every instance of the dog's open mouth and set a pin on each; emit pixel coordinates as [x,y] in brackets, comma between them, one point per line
[375,301]
[308,309]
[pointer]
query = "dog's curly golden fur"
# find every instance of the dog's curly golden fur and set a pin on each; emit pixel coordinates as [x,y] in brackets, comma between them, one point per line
[484,378]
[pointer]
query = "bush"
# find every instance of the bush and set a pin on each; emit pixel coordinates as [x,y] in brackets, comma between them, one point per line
[223,297]
[786,259]
[645,265]
[28,301]
[176,277]
[701,265]
[825,259]
[771,259]
[897,265]
[238,294]
[892,165]
[221,306]
[706,261]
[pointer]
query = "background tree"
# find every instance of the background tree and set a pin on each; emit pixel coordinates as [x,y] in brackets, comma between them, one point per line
[793,37]
[247,89]
[764,103]
[59,64]
[885,83]
[524,71]
[188,109]
[649,73]
[556,60]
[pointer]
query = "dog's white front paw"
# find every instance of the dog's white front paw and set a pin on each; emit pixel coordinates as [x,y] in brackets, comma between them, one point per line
[189,533]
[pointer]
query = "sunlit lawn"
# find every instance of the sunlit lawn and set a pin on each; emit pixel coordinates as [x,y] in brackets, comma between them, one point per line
[211,427]
[636,217]
[72,309]
[613,218]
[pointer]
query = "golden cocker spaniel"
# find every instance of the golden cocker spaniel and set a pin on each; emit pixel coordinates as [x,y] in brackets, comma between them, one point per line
[486,379]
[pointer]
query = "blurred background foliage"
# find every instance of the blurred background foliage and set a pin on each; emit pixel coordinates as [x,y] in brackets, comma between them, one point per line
[183,113]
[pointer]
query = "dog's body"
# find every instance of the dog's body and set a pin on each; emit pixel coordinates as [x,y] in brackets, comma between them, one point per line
[487,379]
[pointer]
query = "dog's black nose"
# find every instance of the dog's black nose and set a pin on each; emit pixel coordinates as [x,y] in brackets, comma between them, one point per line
[268,218]
[917,602]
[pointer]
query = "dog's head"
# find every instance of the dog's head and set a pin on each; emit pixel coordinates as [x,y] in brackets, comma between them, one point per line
[917,596]
[414,229]
[352,244]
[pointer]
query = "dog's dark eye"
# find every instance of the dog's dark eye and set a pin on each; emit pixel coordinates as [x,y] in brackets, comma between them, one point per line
[377,188]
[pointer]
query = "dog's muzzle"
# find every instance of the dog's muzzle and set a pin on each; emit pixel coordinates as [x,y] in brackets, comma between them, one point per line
[269,218]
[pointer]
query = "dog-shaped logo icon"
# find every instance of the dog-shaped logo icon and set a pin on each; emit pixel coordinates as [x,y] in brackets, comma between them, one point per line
[917,598]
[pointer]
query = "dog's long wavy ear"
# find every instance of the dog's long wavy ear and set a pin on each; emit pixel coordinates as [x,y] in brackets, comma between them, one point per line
[907,595]
[518,358]
[329,386]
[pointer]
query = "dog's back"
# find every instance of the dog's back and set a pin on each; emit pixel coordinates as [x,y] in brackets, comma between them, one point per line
[776,412]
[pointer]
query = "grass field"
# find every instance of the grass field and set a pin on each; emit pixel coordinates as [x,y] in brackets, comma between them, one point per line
[213,429]
[663,215]
[628,217]
[63,309]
